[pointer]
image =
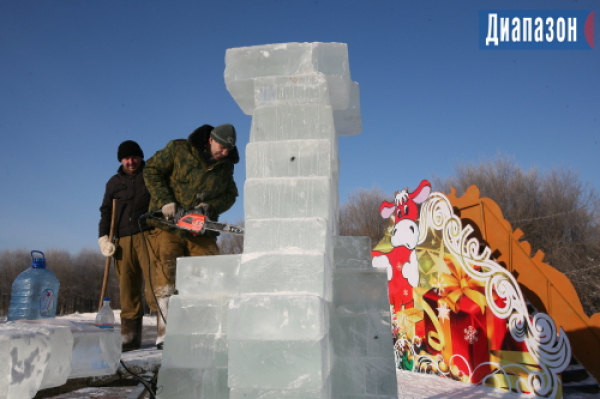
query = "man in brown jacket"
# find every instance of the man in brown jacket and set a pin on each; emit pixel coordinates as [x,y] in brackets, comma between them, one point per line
[129,249]
[196,173]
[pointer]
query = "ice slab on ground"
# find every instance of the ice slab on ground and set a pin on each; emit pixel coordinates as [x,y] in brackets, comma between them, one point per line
[208,275]
[292,122]
[297,197]
[244,64]
[291,158]
[24,357]
[192,314]
[60,341]
[278,272]
[200,351]
[301,234]
[278,317]
[285,365]
[95,351]
[44,353]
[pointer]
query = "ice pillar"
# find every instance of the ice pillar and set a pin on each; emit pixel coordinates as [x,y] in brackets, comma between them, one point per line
[301,98]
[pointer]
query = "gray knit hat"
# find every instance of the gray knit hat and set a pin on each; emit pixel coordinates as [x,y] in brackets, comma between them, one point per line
[224,135]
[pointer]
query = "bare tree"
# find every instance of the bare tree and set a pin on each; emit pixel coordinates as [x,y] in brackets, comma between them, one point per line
[12,263]
[80,278]
[557,212]
[359,216]
[230,244]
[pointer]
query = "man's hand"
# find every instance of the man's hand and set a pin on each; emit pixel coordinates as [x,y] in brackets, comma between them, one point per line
[106,247]
[168,210]
[206,210]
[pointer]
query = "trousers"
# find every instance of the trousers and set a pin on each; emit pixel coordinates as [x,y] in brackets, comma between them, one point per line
[167,247]
[133,267]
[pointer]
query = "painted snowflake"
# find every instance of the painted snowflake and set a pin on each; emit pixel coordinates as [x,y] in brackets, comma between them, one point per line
[443,312]
[439,285]
[470,334]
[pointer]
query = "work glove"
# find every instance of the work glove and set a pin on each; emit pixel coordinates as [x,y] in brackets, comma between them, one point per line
[206,210]
[168,210]
[106,247]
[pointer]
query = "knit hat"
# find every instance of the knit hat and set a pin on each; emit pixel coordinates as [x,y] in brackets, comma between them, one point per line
[129,148]
[224,135]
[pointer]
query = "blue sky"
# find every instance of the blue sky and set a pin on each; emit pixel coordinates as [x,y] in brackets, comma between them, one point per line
[79,77]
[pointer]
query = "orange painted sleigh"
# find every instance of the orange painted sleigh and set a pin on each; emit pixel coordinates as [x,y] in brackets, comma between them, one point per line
[469,319]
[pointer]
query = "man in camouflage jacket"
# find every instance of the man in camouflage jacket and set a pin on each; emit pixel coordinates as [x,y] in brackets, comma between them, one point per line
[196,173]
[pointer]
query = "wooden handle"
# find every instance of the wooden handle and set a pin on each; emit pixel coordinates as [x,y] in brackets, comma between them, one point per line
[113,216]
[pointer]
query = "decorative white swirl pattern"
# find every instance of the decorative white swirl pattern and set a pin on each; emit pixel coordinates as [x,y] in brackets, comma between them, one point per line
[551,349]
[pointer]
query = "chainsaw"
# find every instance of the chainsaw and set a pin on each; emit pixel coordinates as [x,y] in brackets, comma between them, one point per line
[193,222]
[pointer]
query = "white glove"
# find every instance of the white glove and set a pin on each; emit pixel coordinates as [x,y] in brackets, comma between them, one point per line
[106,247]
[168,210]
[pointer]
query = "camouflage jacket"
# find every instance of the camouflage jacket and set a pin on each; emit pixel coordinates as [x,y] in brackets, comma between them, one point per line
[182,174]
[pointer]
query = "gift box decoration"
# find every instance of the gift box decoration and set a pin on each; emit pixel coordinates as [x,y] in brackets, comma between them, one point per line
[410,322]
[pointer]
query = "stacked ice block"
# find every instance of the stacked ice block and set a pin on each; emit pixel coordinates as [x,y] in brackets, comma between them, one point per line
[363,359]
[194,362]
[291,91]
[276,340]
[301,98]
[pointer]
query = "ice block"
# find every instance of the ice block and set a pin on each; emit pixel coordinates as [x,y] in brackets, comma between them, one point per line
[208,275]
[24,357]
[292,122]
[278,318]
[286,197]
[291,158]
[308,235]
[292,273]
[245,64]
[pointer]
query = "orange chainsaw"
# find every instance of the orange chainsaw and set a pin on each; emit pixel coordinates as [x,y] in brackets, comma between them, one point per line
[194,222]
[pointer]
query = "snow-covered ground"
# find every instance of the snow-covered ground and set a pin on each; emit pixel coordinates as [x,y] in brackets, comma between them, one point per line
[410,385]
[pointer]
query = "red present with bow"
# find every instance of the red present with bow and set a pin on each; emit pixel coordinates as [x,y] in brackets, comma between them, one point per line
[459,331]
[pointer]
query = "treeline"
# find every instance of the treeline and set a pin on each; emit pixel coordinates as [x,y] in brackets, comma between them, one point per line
[80,277]
[558,213]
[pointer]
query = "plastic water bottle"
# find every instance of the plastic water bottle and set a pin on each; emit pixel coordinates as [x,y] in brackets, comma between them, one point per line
[105,317]
[34,292]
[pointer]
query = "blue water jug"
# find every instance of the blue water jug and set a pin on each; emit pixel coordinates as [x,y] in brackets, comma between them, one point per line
[34,292]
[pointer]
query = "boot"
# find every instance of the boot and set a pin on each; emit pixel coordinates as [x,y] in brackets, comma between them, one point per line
[161,321]
[131,334]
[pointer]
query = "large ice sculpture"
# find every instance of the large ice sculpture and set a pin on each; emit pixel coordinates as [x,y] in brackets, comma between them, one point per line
[306,316]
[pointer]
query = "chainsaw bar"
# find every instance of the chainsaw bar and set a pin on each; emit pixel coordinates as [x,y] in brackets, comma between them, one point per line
[195,223]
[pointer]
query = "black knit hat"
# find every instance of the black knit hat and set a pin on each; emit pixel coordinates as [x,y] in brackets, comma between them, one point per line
[129,148]
[224,135]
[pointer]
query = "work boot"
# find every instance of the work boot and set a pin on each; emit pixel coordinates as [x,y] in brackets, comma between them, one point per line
[131,334]
[161,321]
